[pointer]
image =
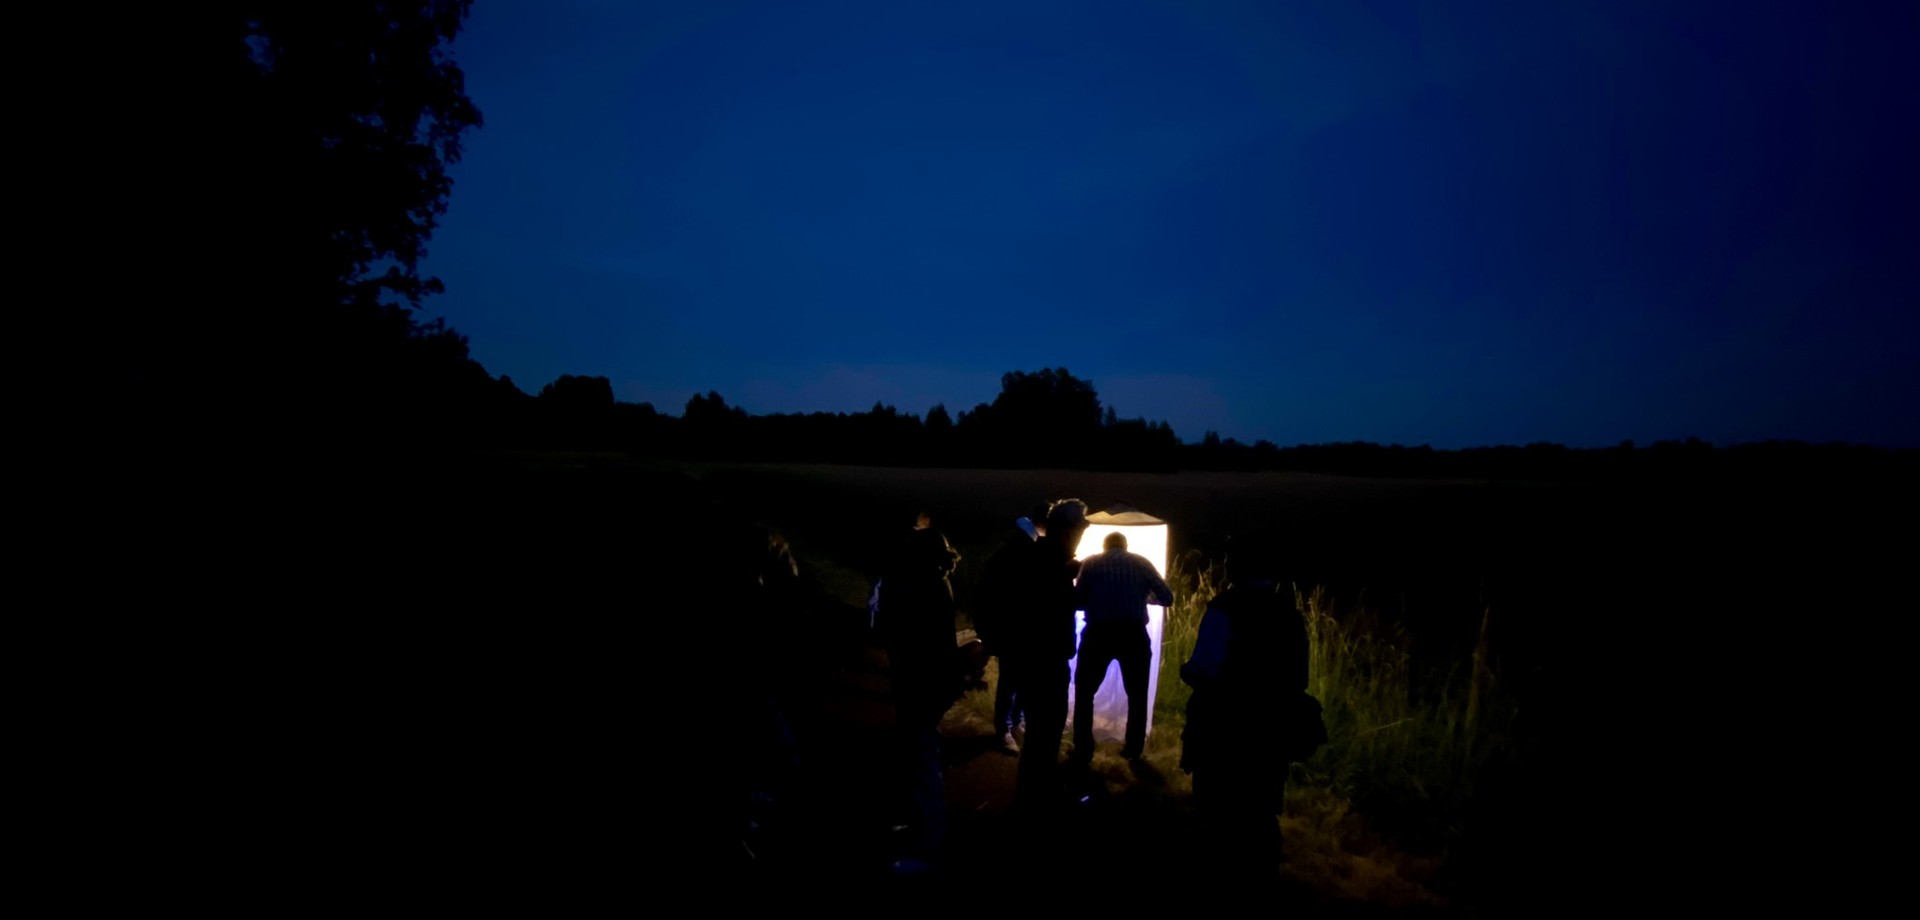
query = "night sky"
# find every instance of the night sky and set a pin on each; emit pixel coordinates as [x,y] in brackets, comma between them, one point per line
[1443,223]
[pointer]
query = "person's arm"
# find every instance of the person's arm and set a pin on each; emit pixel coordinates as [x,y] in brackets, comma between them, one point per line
[1157,586]
[1083,578]
[946,558]
[1209,650]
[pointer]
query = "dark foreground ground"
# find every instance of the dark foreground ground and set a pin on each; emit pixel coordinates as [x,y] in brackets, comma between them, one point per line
[1121,835]
[505,684]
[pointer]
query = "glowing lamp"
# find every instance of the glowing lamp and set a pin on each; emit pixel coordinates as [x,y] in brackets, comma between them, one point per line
[1146,536]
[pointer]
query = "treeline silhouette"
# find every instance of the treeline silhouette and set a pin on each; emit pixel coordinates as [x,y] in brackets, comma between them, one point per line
[1052,419]
[1046,418]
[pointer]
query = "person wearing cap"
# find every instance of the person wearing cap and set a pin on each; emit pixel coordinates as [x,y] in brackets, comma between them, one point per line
[1040,640]
[995,601]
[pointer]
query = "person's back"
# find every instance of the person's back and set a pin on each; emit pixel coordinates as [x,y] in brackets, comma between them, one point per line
[1045,620]
[1041,634]
[1001,605]
[1261,667]
[916,598]
[998,594]
[1116,585]
[916,625]
[1248,671]
[1114,588]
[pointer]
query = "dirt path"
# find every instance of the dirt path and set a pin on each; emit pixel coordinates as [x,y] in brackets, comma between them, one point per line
[1124,829]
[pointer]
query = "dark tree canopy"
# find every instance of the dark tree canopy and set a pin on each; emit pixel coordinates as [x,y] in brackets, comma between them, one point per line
[590,393]
[938,420]
[357,111]
[711,409]
[1049,416]
[1047,400]
[312,144]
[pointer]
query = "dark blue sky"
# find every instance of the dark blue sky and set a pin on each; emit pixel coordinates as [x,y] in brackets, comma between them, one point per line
[1442,223]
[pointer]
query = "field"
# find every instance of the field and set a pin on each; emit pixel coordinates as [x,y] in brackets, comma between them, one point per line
[1425,600]
[1525,680]
[1529,685]
[1434,557]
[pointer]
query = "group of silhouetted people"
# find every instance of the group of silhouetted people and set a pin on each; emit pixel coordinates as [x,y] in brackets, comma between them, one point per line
[1248,673]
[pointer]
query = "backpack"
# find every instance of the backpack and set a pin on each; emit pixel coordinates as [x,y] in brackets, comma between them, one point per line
[1297,724]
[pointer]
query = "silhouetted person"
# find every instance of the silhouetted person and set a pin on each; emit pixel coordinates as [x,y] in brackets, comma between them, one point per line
[1114,589]
[995,601]
[1246,718]
[1040,642]
[757,592]
[915,620]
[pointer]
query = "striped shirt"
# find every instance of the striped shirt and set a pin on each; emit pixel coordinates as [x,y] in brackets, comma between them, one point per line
[1115,586]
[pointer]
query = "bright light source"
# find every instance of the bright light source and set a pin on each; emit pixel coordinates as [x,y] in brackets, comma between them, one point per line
[1147,536]
[1149,540]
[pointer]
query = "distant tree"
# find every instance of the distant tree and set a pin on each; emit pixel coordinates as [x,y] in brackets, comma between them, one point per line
[1048,397]
[938,421]
[712,409]
[938,438]
[975,417]
[711,428]
[1045,417]
[1136,444]
[638,427]
[585,393]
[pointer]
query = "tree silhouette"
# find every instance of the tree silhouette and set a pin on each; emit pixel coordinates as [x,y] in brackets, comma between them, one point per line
[938,421]
[363,101]
[1049,417]
[712,410]
[589,393]
[321,136]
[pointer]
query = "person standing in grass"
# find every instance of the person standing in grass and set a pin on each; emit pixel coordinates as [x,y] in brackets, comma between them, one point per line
[915,620]
[1040,642]
[1115,588]
[997,599]
[1249,717]
[757,583]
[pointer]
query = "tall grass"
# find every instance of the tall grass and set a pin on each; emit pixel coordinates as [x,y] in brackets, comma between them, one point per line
[1405,744]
